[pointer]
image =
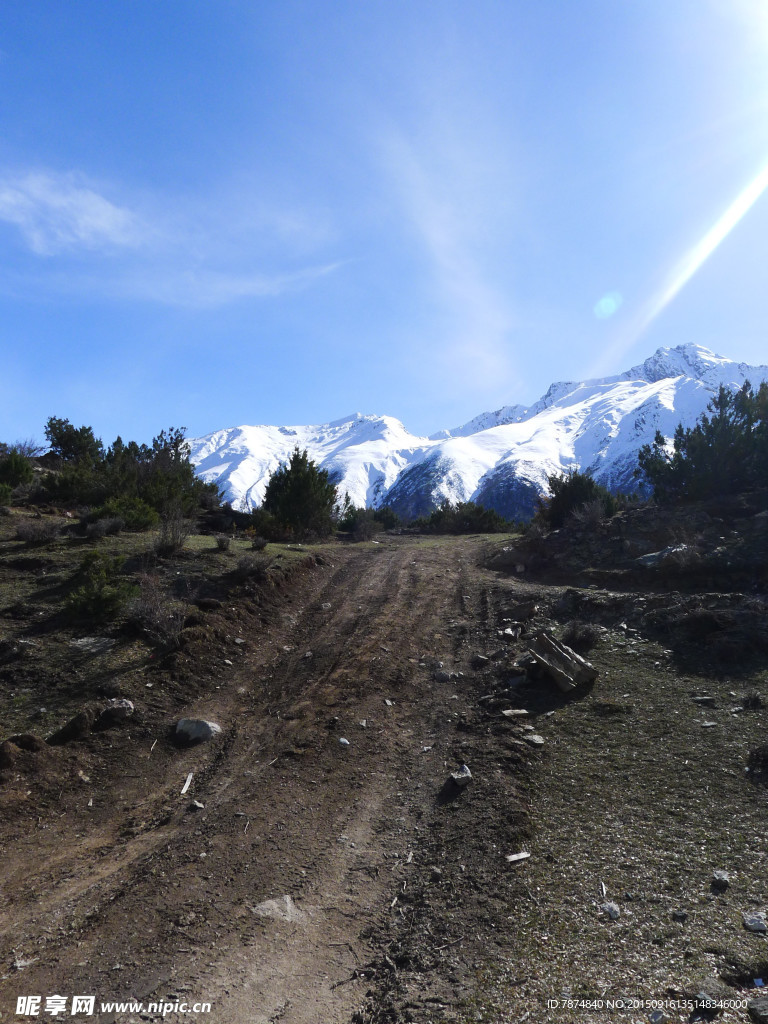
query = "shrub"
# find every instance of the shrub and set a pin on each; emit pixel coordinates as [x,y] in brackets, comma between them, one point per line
[104,528]
[569,492]
[135,513]
[258,543]
[387,516]
[157,615]
[5,494]
[174,530]
[38,531]
[223,542]
[581,636]
[254,566]
[464,517]
[102,592]
[366,527]
[360,522]
[15,469]
[590,514]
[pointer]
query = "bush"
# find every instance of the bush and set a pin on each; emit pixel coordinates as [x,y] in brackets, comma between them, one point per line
[254,566]
[15,469]
[359,522]
[590,514]
[301,497]
[464,517]
[580,636]
[258,543]
[569,492]
[157,476]
[5,494]
[366,527]
[387,516]
[102,593]
[136,514]
[103,528]
[174,530]
[38,531]
[223,542]
[157,615]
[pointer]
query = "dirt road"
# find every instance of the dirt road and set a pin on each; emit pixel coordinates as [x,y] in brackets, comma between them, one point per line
[320,878]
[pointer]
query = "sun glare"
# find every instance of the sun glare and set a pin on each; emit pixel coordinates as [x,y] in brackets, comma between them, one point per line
[701,252]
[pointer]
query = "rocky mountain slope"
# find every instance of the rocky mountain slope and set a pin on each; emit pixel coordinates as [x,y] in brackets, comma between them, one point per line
[500,459]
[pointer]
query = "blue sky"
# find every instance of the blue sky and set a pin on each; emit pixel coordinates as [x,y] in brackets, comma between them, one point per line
[216,212]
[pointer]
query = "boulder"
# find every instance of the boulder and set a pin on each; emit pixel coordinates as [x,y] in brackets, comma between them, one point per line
[462,777]
[758,1009]
[116,712]
[190,731]
[74,729]
[566,667]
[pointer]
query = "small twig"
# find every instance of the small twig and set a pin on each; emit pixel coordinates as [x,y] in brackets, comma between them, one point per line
[247,826]
[455,941]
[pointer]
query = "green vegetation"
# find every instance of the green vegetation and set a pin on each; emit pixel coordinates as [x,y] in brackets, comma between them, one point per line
[364,523]
[570,493]
[135,513]
[464,517]
[103,592]
[15,469]
[299,501]
[159,476]
[725,453]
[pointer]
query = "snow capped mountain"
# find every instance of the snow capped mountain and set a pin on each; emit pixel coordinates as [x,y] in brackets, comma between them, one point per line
[364,454]
[500,459]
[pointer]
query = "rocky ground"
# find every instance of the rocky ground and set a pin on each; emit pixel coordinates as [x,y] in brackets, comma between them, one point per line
[321,865]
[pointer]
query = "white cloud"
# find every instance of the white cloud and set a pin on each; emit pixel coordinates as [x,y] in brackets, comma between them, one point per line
[190,254]
[209,289]
[58,213]
[439,183]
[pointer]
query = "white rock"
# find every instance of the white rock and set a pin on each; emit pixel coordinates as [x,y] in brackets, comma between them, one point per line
[755,922]
[462,777]
[196,730]
[282,909]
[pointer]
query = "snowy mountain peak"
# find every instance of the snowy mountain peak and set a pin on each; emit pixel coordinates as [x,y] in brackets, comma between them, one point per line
[682,361]
[500,459]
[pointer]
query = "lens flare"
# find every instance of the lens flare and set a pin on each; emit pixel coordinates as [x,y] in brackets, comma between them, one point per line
[605,308]
[685,270]
[701,252]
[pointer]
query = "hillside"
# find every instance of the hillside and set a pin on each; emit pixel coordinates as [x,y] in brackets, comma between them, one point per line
[501,459]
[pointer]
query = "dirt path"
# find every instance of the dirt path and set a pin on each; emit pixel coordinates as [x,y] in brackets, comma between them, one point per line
[320,878]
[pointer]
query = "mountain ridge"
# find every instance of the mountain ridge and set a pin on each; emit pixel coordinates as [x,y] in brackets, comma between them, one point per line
[500,459]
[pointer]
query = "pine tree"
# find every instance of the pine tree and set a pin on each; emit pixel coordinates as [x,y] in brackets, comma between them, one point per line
[301,497]
[726,452]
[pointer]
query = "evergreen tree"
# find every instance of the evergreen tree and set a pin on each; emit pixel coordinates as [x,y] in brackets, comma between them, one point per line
[15,469]
[569,492]
[73,444]
[301,498]
[724,453]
